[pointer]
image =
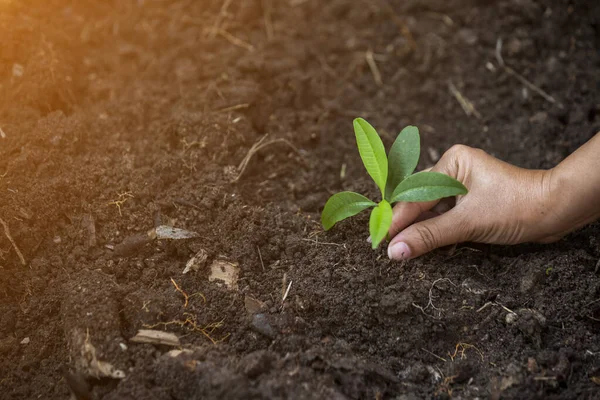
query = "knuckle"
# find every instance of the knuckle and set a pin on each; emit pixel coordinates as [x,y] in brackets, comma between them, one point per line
[428,237]
[459,150]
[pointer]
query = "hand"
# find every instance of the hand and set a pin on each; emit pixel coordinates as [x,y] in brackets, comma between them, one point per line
[505,204]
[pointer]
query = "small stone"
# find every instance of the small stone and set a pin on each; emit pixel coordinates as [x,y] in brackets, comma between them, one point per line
[514,47]
[468,36]
[25,341]
[532,278]
[261,324]
[511,318]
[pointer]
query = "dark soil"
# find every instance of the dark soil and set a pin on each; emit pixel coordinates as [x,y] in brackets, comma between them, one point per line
[122,116]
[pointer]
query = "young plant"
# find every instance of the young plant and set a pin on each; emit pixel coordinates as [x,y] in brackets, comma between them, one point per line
[394,177]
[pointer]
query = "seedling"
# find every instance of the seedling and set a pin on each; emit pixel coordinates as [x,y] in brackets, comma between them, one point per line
[394,177]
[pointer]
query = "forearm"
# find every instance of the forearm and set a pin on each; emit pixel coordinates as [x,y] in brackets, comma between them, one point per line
[576,187]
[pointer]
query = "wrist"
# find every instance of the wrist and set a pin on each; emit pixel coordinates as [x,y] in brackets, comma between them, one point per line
[570,200]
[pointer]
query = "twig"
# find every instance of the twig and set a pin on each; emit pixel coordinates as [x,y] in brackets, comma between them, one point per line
[287,292]
[198,294]
[324,243]
[260,256]
[267,5]
[592,302]
[185,295]
[463,349]
[12,241]
[373,67]
[433,354]
[505,308]
[465,103]
[430,303]
[486,305]
[235,40]
[259,145]
[219,20]
[233,108]
[520,77]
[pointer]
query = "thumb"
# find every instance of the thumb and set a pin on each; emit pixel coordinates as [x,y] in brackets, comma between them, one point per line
[425,236]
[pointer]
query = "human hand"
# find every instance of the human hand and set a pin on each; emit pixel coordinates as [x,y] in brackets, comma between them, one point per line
[505,205]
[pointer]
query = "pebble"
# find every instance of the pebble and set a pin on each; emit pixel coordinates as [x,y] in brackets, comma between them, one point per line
[261,324]
[257,363]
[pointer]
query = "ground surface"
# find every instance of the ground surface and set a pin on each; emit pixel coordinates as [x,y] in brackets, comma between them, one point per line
[118,117]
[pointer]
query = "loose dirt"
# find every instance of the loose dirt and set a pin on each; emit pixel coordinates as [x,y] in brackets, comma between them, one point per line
[119,117]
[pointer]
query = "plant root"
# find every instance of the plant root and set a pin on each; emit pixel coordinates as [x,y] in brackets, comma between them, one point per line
[373,67]
[235,40]
[123,197]
[12,241]
[461,348]
[433,354]
[184,294]
[520,77]
[256,147]
[192,325]
[465,103]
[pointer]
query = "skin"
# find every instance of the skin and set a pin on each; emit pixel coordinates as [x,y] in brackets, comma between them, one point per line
[505,204]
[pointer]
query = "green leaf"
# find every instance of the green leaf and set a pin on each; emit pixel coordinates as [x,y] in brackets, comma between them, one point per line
[403,158]
[372,152]
[427,186]
[343,205]
[380,222]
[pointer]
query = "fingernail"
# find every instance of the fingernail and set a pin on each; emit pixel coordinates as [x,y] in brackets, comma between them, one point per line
[369,239]
[399,251]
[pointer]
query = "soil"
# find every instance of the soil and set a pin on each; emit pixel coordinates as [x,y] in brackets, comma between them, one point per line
[118,117]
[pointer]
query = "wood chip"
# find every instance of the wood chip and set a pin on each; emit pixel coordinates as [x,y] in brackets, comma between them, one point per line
[169,232]
[196,262]
[155,337]
[226,272]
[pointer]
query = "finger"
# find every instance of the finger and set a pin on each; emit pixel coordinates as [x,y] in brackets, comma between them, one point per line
[405,214]
[422,237]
